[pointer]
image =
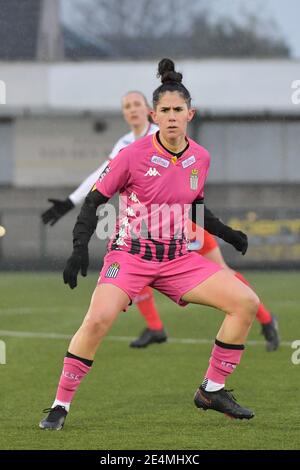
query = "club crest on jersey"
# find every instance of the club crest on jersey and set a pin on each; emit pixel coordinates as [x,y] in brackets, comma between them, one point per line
[113,270]
[152,172]
[188,162]
[160,161]
[194,179]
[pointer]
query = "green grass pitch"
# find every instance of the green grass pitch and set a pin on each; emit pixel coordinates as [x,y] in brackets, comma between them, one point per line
[142,399]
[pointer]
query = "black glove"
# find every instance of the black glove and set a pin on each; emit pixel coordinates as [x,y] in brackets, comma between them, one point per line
[78,261]
[236,238]
[58,210]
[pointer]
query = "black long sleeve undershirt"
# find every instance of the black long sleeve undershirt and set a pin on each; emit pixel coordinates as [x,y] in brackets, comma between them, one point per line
[212,224]
[87,219]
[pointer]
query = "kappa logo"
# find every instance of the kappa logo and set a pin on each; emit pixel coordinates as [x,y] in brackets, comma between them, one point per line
[152,172]
[133,197]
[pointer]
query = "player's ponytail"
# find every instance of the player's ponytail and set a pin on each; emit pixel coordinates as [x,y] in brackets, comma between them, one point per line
[171,81]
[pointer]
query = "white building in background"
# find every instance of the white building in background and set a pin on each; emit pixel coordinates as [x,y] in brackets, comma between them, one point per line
[66,116]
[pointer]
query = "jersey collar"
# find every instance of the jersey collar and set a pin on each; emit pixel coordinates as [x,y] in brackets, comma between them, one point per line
[164,152]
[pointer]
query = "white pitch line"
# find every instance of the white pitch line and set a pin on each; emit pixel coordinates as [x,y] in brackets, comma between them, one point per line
[31,334]
[34,310]
[40,335]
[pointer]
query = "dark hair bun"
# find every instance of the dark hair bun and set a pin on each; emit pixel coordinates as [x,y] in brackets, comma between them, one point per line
[166,70]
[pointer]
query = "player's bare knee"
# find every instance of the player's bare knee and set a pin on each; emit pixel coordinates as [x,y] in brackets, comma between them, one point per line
[253,304]
[98,323]
[245,306]
[250,305]
[95,328]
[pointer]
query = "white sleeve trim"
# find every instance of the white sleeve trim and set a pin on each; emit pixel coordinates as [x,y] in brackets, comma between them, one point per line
[116,149]
[81,192]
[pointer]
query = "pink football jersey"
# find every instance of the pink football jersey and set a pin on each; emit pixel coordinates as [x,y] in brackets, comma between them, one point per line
[157,190]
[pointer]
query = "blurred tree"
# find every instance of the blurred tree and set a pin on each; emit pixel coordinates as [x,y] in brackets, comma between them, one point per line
[144,29]
[253,38]
[138,18]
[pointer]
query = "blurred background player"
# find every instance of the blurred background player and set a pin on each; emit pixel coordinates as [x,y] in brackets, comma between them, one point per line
[136,112]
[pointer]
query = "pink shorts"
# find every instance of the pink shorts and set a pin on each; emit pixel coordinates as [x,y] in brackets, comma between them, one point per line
[173,278]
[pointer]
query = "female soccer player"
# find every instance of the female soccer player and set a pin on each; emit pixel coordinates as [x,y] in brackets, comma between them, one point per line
[136,113]
[163,171]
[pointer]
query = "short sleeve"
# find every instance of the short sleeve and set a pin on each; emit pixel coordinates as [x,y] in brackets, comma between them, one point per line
[116,175]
